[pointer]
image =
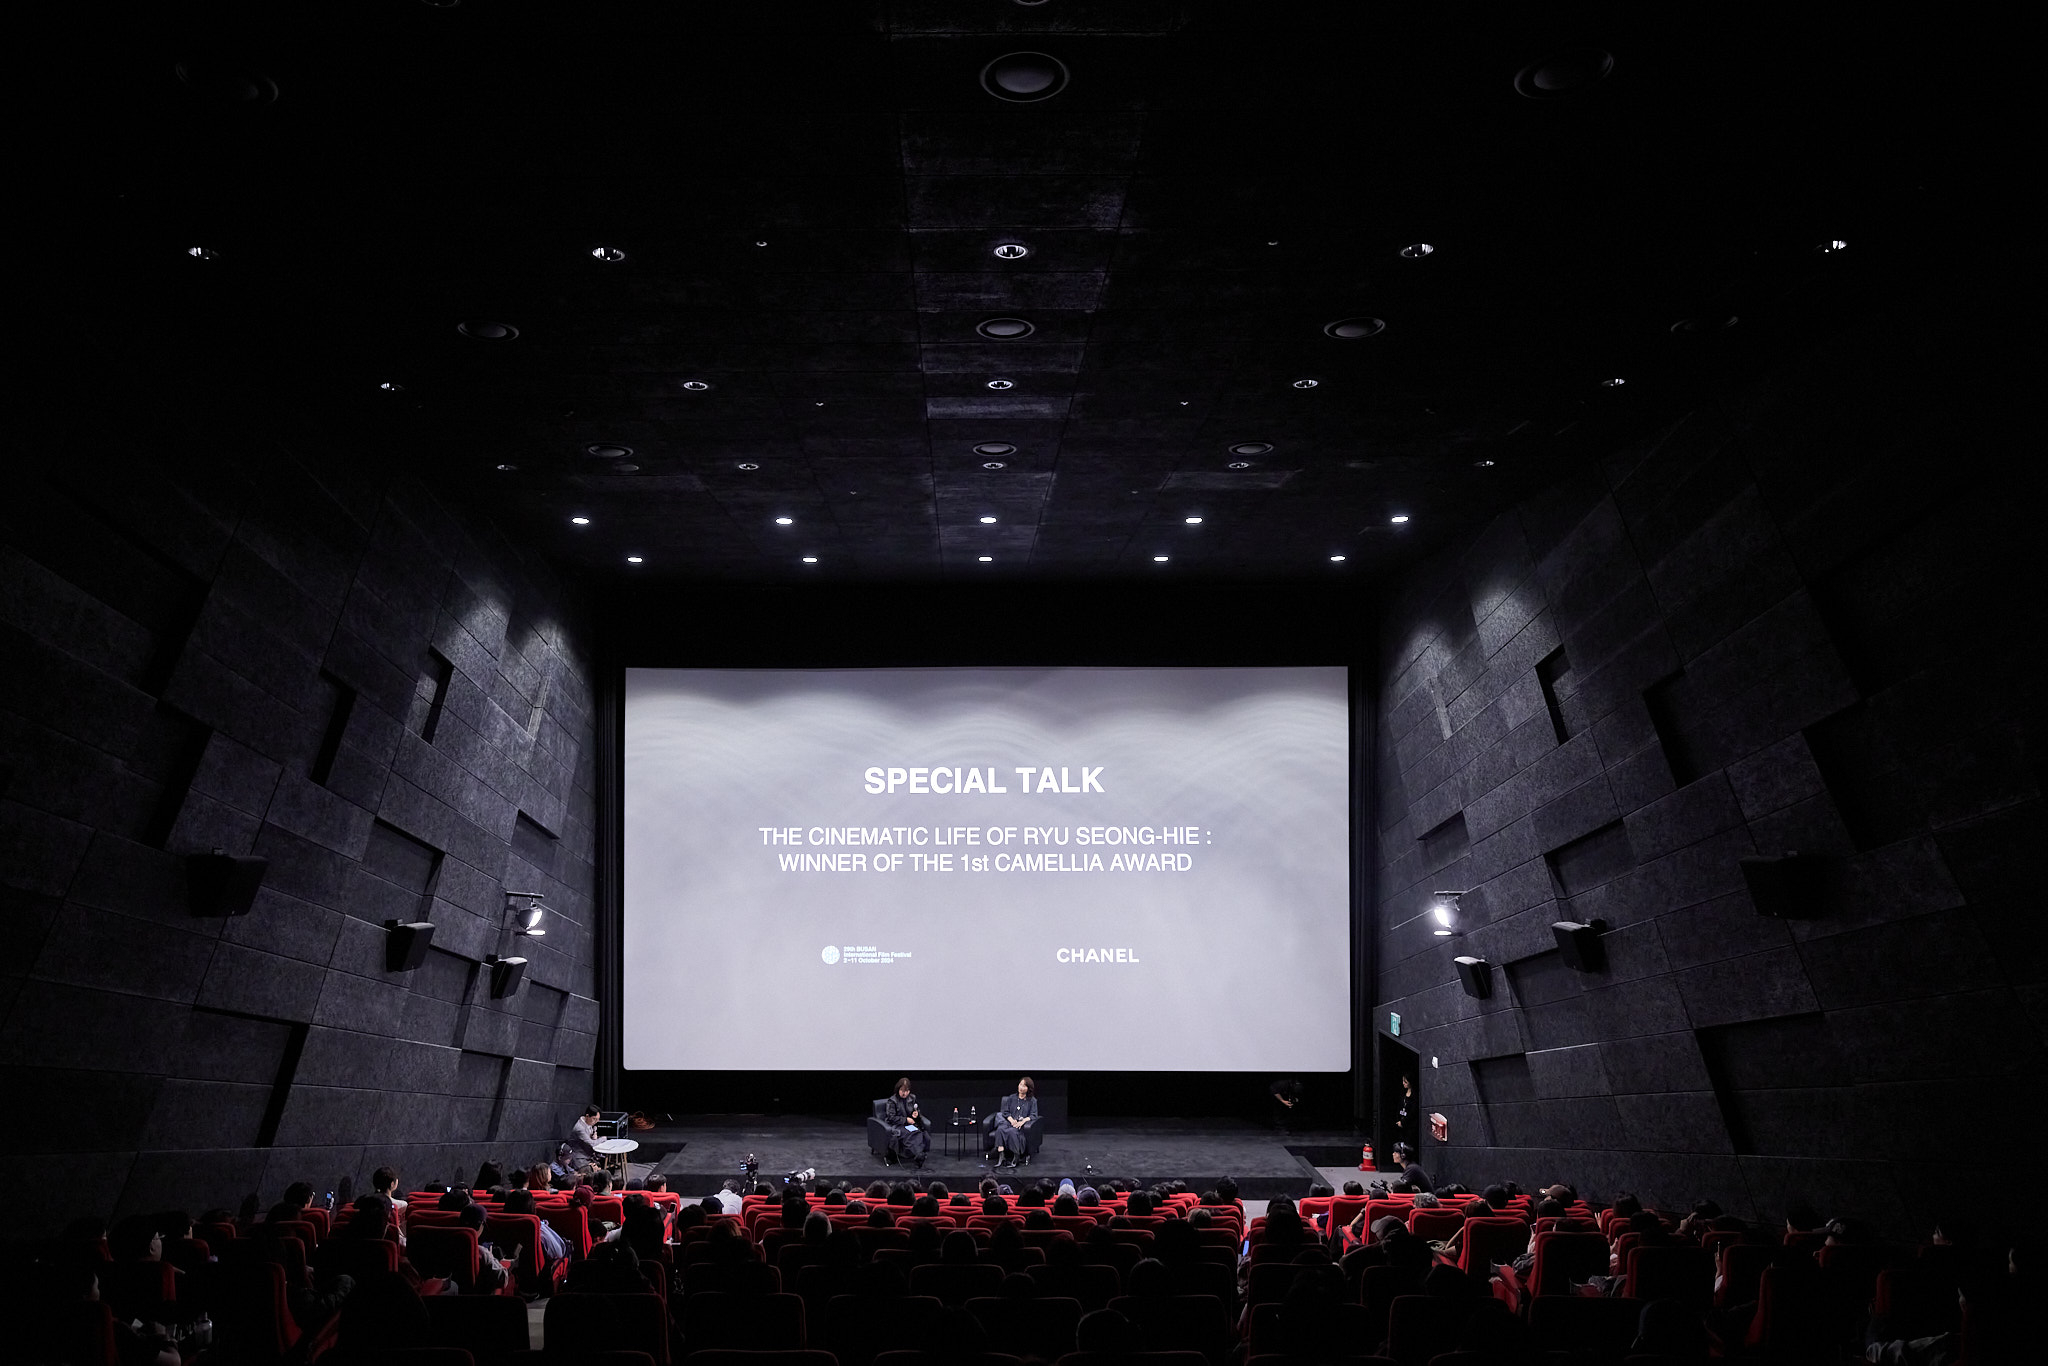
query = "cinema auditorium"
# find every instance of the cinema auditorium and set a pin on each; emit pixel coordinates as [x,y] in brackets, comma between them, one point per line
[1019,683]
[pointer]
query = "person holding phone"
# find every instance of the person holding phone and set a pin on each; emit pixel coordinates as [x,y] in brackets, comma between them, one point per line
[907,1136]
[1013,1124]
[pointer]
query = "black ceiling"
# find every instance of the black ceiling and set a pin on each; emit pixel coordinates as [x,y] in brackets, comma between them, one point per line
[808,198]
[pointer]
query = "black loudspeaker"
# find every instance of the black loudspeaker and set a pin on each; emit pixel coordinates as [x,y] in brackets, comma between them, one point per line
[405,944]
[1476,976]
[506,975]
[1786,886]
[222,884]
[1579,945]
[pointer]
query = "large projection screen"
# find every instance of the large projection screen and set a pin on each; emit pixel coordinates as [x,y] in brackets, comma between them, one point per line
[967,869]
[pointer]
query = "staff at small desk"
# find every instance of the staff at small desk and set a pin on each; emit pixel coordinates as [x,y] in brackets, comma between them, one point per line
[1014,1124]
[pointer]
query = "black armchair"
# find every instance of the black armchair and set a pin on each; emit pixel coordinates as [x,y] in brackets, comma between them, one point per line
[1034,1133]
[878,1132]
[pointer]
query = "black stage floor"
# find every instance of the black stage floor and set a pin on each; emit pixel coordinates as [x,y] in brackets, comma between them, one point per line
[698,1154]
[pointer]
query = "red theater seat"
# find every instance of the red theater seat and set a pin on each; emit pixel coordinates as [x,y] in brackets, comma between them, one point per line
[606,1323]
[751,1322]
[1583,1323]
[1041,1328]
[490,1327]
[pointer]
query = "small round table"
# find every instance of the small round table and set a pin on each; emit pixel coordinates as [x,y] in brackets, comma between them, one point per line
[613,1151]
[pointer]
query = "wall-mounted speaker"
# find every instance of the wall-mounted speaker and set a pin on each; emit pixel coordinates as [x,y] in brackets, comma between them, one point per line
[1579,945]
[1786,886]
[223,884]
[1475,975]
[506,975]
[405,944]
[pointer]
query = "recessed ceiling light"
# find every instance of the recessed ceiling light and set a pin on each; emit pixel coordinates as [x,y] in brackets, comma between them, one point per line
[1159,559]
[627,467]
[695,386]
[1274,242]
[1240,464]
[508,468]
[748,465]
[634,559]
[1000,384]
[995,448]
[1483,464]
[1612,383]
[1012,251]
[1352,329]
[1415,251]
[202,253]
[1004,329]
[760,244]
[392,387]
[1024,77]
[988,559]
[1564,73]
[608,255]
[988,521]
[605,450]
[992,464]
[1192,521]
[488,331]
[1251,448]
[1828,248]
[1306,383]
[810,559]
[1398,518]
[1336,559]
[579,521]
[785,521]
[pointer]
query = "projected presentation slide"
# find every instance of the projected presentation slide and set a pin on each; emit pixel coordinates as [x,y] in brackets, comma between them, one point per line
[898,870]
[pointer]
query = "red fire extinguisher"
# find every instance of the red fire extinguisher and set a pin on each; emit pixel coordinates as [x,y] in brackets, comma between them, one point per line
[1365,1159]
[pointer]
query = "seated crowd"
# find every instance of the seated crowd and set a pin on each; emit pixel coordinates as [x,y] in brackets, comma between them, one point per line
[915,1274]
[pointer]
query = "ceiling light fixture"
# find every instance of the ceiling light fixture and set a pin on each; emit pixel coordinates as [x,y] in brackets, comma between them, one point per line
[392,387]
[627,467]
[1399,519]
[1615,383]
[1352,329]
[608,255]
[1240,464]
[695,386]
[1336,559]
[1415,251]
[1159,559]
[1004,329]
[1012,251]
[992,465]
[760,244]
[1000,384]
[488,331]
[634,559]
[1831,246]
[785,521]
[1482,464]
[202,253]
[1024,77]
[1251,448]
[995,448]
[988,521]
[1306,383]
[988,559]
[508,468]
[748,465]
[579,521]
[1192,521]
[604,450]
[810,559]
[1563,74]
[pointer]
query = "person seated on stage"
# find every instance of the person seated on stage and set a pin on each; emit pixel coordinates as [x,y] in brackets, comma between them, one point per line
[582,1140]
[906,1125]
[1014,1121]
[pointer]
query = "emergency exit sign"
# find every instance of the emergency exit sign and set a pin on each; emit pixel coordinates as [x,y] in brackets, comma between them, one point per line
[1394,1023]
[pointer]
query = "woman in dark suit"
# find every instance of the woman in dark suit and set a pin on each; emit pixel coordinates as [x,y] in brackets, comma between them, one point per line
[907,1136]
[1013,1124]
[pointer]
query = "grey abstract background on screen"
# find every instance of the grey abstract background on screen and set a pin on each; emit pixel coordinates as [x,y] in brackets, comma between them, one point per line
[1241,962]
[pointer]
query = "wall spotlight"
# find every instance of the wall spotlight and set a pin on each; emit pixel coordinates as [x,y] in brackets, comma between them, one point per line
[526,920]
[1445,913]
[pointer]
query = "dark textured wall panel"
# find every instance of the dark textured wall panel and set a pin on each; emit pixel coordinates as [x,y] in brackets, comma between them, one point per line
[1730,641]
[225,654]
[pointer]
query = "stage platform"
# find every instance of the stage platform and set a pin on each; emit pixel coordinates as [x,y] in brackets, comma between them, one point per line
[698,1154]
